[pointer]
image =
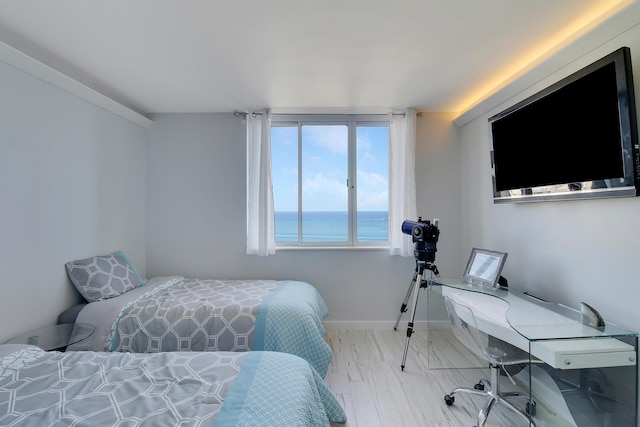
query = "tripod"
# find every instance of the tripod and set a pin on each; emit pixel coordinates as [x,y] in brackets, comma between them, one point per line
[420,274]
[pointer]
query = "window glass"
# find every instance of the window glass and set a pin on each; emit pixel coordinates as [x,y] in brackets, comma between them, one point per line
[372,151]
[284,170]
[325,195]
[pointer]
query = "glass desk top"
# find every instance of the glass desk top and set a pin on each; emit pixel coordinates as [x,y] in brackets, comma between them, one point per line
[56,337]
[531,317]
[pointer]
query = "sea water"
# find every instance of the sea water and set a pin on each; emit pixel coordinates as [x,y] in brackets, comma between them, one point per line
[330,226]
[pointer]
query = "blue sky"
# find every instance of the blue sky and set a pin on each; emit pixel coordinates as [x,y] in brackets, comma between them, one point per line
[325,165]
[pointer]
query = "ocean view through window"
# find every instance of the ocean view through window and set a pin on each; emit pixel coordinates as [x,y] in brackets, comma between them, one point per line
[331,226]
[330,180]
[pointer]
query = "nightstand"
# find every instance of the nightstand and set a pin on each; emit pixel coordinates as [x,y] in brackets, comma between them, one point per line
[56,337]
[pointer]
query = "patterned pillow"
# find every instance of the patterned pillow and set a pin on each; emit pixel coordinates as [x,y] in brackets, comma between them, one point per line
[102,277]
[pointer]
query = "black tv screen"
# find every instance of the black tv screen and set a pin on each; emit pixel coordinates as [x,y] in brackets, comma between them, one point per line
[575,139]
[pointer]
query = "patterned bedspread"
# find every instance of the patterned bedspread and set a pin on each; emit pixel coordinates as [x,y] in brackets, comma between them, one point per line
[40,388]
[180,314]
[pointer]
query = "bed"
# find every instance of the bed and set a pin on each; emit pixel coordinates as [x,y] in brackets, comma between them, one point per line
[175,313]
[161,389]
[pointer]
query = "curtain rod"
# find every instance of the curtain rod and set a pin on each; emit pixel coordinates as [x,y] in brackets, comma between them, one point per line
[259,113]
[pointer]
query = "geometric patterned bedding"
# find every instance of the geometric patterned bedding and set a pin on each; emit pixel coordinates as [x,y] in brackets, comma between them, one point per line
[163,389]
[191,314]
[180,314]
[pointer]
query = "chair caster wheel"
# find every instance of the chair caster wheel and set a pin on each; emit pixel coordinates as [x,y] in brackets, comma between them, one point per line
[530,409]
[479,386]
[449,400]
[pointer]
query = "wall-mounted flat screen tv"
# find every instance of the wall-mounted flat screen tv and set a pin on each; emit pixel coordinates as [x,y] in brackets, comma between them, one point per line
[575,139]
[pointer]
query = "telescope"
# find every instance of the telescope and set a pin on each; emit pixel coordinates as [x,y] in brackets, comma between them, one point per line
[425,236]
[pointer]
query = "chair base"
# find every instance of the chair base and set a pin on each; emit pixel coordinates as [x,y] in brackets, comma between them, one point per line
[494,396]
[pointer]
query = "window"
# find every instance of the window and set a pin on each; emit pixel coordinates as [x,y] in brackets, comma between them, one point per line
[330,180]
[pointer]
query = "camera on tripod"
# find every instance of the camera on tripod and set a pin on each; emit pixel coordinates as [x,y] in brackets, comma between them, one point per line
[425,236]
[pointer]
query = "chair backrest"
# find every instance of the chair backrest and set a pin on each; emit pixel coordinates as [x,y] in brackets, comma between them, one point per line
[465,329]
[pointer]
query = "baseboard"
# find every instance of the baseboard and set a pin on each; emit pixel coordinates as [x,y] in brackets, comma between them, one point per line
[383,325]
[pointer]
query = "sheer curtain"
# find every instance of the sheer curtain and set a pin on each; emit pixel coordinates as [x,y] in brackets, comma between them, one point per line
[402,181]
[260,217]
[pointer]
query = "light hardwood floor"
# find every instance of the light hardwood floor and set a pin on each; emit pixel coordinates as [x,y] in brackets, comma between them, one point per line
[366,376]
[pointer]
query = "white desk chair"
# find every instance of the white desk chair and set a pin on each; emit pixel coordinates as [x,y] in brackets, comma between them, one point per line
[464,327]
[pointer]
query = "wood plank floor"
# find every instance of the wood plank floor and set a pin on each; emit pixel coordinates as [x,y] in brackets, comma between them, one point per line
[366,376]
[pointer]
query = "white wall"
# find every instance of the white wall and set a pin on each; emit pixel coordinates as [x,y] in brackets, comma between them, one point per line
[564,251]
[196,217]
[71,186]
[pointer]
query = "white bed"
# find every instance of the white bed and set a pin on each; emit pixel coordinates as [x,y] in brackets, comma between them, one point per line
[175,313]
[39,388]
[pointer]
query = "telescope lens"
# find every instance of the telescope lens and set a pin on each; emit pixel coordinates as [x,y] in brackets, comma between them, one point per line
[408,226]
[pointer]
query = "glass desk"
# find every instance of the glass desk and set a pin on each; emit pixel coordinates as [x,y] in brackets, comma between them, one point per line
[584,374]
[56,337]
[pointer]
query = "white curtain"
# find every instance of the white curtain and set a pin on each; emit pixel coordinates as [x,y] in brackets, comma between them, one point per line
[260,217]
[402,181]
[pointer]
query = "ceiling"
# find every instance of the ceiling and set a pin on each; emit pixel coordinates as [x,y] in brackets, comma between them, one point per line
[214,56]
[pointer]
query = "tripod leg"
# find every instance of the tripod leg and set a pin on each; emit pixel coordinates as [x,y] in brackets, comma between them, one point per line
[416,292]
[403,309]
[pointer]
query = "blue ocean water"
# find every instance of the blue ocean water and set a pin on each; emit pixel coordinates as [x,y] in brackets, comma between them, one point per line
[330,226]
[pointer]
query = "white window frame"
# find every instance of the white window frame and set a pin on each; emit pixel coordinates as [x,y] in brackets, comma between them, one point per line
[352,122]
